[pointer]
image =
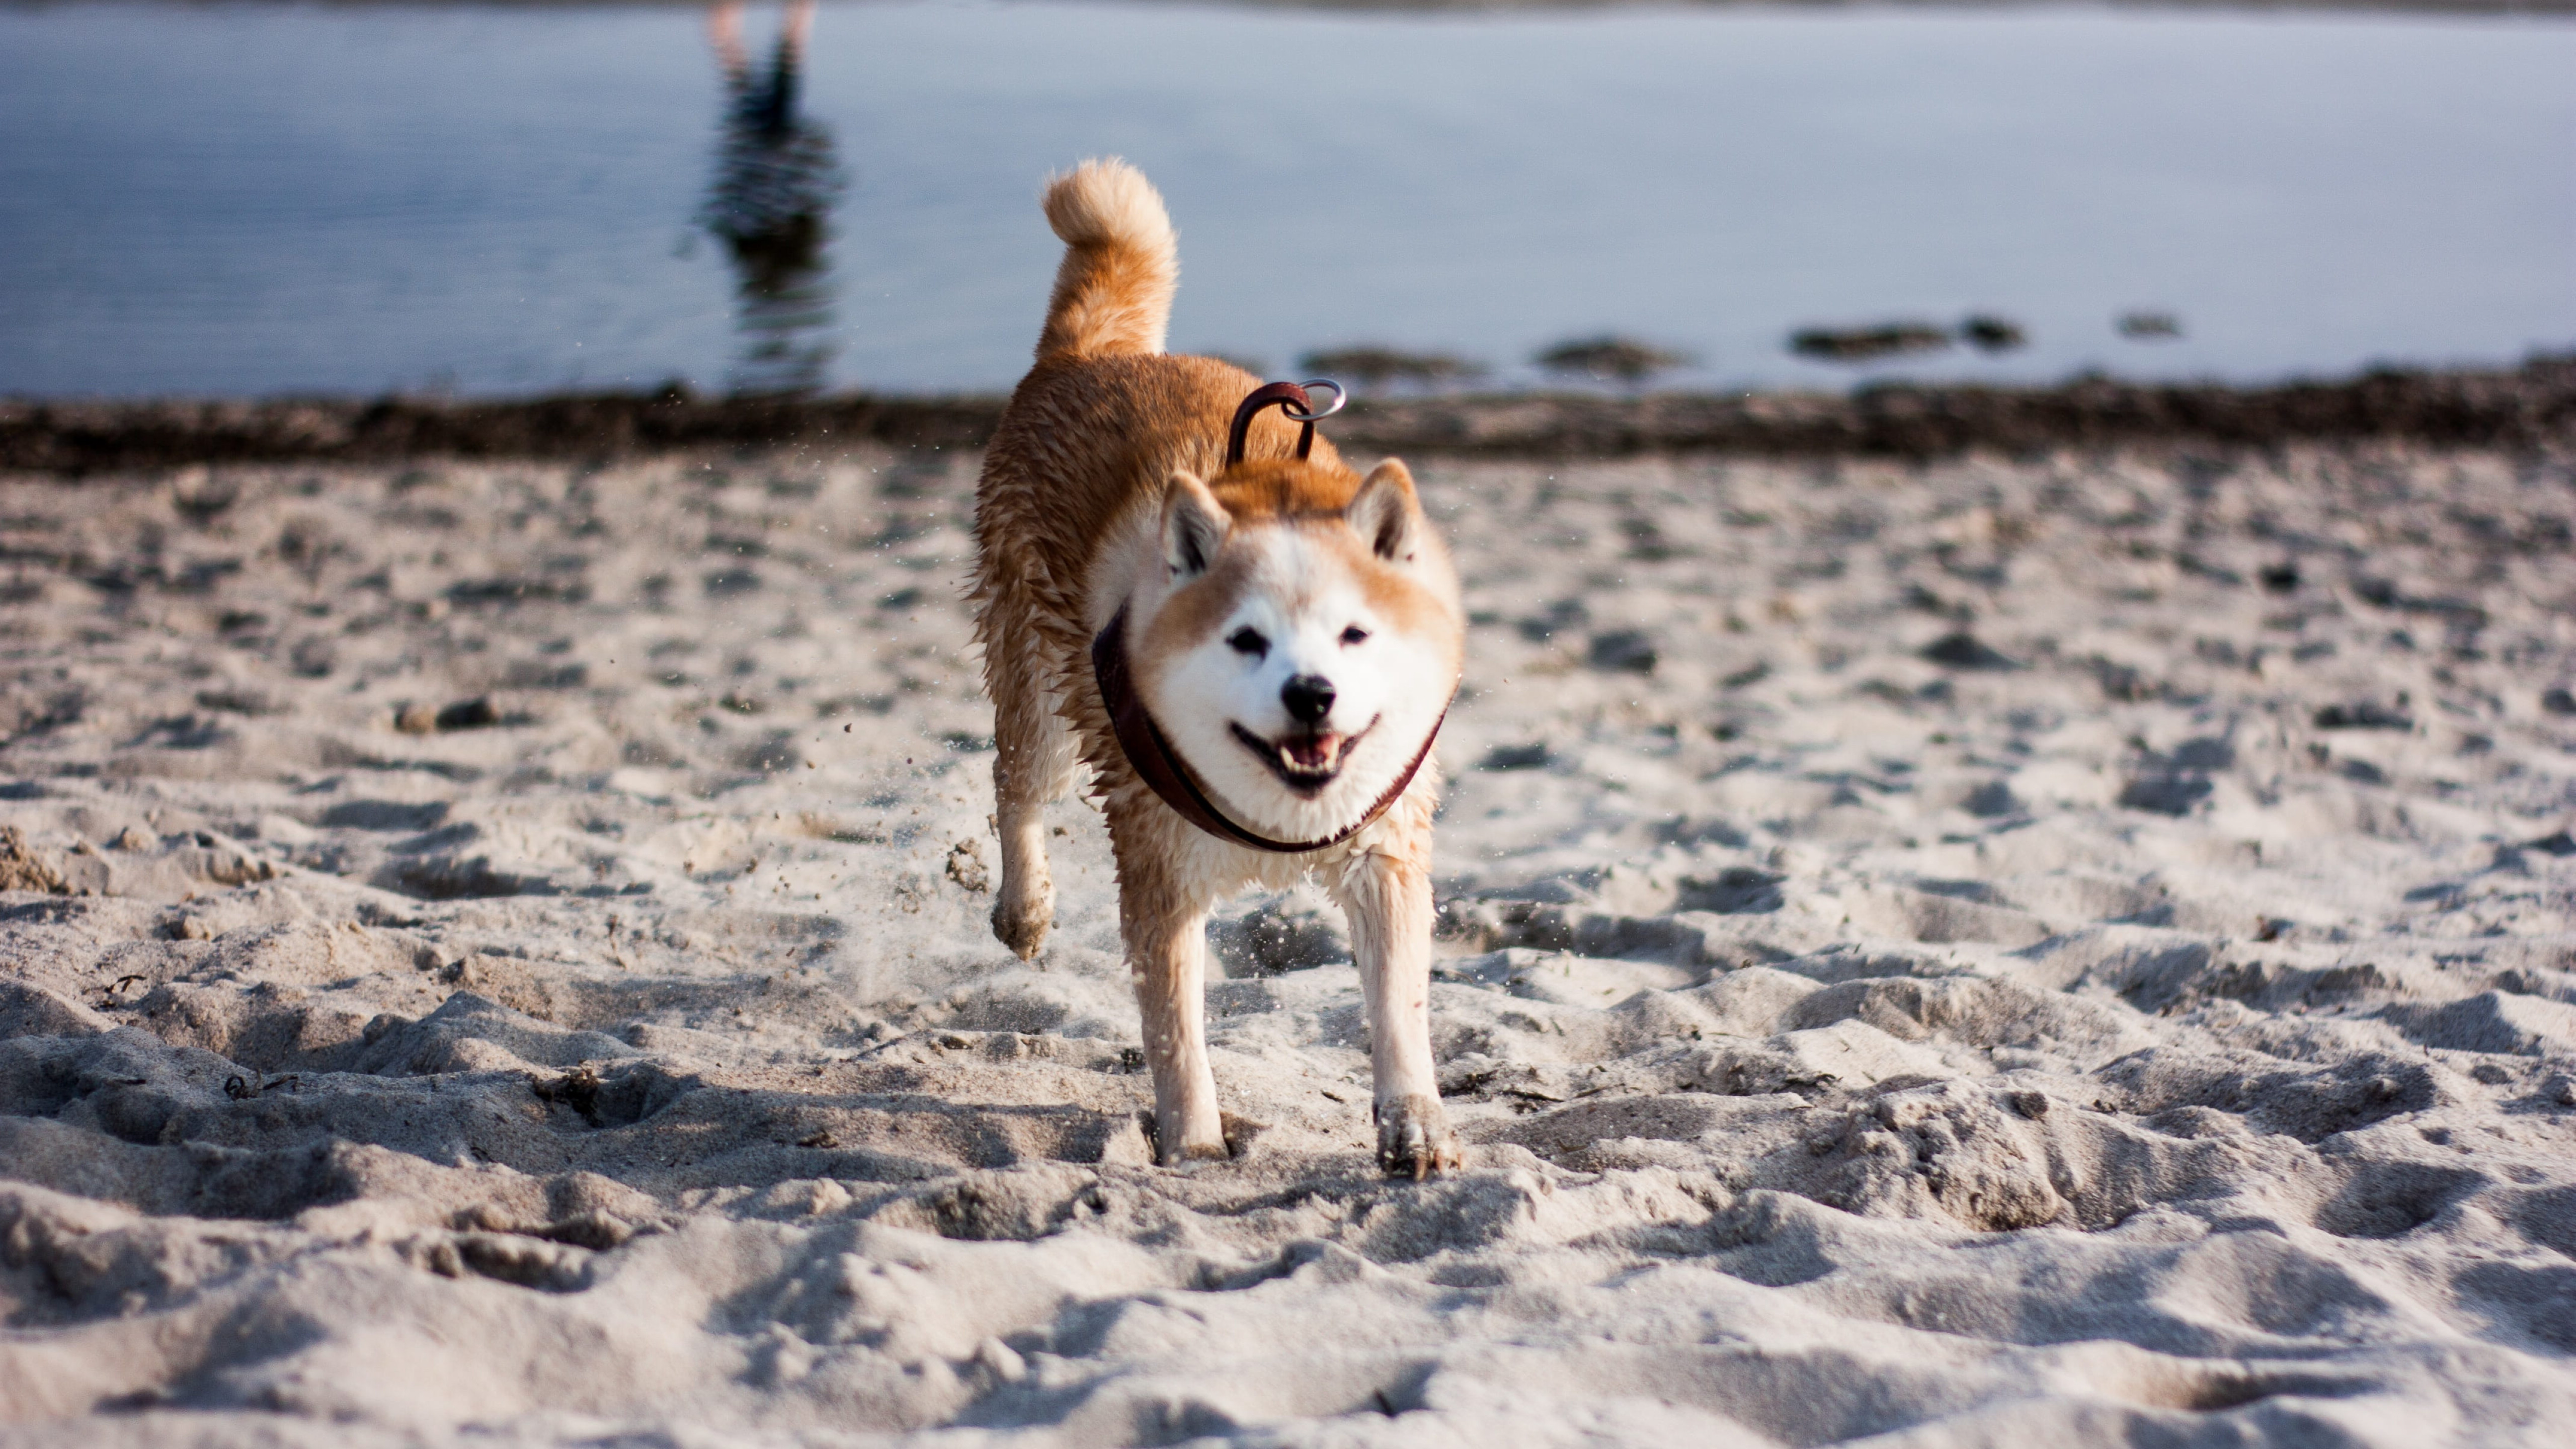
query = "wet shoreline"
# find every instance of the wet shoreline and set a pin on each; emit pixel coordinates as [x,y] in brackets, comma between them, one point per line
[2529,407]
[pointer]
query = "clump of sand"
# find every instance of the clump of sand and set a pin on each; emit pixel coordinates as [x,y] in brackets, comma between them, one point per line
[2076,949]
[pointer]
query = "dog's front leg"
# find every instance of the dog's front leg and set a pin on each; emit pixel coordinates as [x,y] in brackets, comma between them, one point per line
[1033,763]
[1165,927]
[1387,896]
[1025,907]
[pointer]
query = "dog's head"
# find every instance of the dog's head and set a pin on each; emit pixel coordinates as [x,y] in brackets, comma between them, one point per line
[1304,641]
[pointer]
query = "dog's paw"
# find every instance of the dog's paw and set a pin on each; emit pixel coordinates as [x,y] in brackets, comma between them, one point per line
[1186,1149]
[1024,927]
[1198,1152]
[1414,1140]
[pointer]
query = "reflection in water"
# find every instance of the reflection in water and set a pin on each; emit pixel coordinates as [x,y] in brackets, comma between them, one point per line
[771,205]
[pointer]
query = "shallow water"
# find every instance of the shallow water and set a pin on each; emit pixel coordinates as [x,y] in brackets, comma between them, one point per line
[243,199]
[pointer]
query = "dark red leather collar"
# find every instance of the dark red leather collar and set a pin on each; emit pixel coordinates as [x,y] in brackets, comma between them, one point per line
[1162,771]
[1289,398]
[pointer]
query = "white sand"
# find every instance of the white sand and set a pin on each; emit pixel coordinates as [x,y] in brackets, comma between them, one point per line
[2102,1049]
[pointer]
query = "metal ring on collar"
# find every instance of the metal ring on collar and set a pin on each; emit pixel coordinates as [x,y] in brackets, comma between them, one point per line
[1319,414]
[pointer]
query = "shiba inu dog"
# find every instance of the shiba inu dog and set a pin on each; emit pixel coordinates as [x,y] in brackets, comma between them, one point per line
[1251,653]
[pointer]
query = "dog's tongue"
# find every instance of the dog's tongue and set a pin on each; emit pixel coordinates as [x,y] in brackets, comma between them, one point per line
[1315,752]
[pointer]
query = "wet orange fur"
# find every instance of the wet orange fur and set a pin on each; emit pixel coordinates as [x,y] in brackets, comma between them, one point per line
[1078,471]
[1265,490]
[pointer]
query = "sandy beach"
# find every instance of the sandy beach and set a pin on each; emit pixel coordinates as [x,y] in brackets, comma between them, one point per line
[2035,947]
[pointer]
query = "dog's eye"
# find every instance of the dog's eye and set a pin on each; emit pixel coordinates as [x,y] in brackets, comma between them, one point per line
[1248,641]
[1354,635]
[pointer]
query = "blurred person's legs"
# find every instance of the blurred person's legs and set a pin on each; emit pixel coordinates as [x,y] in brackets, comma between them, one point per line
[770,202]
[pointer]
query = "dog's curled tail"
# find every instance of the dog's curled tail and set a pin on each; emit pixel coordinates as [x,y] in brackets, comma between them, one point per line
[1114,292]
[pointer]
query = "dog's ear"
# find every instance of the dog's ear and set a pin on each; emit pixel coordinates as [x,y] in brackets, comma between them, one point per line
[1194,524]
[1386,514]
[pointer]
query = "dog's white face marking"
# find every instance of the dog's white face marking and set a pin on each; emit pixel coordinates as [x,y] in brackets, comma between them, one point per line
[1310,694]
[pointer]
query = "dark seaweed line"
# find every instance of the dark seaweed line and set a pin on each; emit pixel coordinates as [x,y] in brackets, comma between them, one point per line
[2530,407]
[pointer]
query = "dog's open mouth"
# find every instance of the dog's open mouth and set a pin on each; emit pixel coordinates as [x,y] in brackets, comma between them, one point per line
[1305,763]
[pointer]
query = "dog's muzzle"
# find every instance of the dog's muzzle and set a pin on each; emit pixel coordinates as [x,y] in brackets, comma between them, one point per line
[1305,763]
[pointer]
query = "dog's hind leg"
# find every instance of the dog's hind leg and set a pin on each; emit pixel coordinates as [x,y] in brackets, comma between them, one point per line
[1163,917]
[1386,892]
[1034,762]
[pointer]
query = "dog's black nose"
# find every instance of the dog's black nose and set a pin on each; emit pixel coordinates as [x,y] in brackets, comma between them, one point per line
[1309,698]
